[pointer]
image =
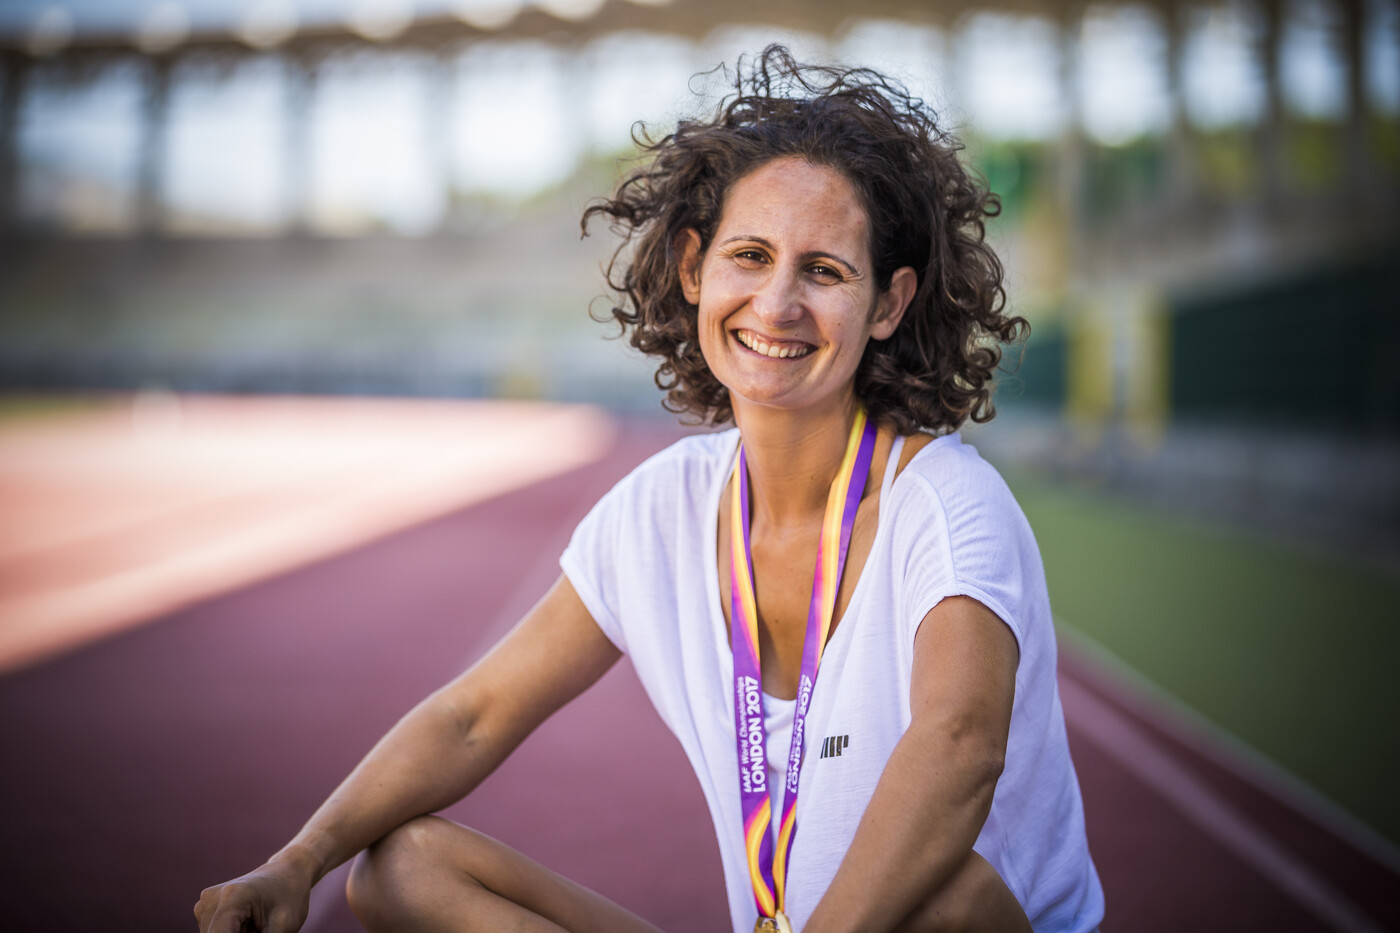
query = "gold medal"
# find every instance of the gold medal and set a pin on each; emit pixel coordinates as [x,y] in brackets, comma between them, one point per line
[778,924]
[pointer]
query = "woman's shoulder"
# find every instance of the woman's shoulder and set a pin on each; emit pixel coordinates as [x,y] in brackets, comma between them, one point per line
[949,476]
[946,464]
[954,514]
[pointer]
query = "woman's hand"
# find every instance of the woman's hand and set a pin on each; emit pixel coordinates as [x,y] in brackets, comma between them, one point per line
[435,755]
[271,899]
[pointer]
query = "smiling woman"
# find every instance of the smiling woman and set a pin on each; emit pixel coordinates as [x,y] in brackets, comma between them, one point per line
[912,212]
[809,264]
[788,304]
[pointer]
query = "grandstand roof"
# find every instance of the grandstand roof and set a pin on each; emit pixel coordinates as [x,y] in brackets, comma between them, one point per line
[317,26]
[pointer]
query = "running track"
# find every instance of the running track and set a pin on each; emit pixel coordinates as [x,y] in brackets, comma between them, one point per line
[140,766]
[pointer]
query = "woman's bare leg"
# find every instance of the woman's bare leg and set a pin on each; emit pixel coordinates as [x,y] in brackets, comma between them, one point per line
[433,875]
[974,900]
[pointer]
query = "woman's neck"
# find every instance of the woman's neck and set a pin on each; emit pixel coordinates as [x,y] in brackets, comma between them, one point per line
[792,460]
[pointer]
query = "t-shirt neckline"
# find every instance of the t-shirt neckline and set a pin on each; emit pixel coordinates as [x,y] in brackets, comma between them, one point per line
[837,641]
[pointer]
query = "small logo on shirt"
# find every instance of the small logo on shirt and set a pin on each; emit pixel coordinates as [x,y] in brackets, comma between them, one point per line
[832,745]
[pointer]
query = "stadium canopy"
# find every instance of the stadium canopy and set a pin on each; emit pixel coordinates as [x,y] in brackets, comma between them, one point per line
[170,29]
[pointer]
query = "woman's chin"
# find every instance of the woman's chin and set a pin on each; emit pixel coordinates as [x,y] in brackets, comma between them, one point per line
[790,398]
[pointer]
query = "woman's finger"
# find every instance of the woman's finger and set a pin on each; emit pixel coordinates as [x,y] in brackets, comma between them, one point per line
[226,910]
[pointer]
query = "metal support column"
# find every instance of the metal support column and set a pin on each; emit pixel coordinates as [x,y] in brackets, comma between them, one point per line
[1182,190]
[440,78]
[1271,139]
[1072,151]
[15,77]
[1360,166]
[299,88]
[155,125]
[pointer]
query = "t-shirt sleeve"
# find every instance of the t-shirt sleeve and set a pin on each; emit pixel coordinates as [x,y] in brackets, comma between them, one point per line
[591,561]
[965,536]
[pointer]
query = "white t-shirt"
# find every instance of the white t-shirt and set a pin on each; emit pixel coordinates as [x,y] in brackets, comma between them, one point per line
[643,562]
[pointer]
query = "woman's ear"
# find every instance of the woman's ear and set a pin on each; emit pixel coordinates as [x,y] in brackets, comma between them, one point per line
[893,302]
[688,256]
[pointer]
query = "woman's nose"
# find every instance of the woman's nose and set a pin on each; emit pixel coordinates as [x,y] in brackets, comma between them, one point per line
[778,301]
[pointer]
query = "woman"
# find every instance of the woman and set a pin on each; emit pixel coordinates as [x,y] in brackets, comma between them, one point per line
[837,607]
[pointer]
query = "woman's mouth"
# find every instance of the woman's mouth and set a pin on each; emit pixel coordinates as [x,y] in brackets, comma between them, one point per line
[774,349]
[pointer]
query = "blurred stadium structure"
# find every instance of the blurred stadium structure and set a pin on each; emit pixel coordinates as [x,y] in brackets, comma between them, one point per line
[1202,213]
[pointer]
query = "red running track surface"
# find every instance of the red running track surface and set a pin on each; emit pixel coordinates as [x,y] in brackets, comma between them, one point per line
[143,767]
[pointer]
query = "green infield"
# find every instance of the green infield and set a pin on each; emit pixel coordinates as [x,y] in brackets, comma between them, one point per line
[1290,651]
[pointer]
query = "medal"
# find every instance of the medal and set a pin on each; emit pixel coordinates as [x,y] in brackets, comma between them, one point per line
[768,868]
[778,924]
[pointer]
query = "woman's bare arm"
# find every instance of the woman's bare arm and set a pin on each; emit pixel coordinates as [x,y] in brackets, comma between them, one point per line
[934,795]
[433,757]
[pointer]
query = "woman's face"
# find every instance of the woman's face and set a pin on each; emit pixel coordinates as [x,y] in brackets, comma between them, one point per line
[786,292]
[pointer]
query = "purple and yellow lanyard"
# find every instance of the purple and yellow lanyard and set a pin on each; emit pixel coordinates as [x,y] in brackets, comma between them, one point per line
[767,869]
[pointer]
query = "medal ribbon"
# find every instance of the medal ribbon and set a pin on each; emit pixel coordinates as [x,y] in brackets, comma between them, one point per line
[768,870]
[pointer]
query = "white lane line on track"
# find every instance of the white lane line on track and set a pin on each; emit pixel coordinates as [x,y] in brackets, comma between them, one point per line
[1143,699]
[1117,737]
[93,542]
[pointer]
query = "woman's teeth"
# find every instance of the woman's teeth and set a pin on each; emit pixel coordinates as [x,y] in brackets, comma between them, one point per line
[777,351]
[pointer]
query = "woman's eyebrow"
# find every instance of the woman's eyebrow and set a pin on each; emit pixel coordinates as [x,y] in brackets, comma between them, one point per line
[805,257]
[810,256]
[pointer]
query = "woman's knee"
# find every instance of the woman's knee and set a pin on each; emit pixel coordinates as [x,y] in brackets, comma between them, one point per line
[387,878]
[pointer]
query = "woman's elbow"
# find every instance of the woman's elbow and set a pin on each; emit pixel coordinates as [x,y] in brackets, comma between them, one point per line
[983,767]
[990,762]
[978,755]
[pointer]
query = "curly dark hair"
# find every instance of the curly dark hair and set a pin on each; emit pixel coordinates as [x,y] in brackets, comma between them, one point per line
[926,211]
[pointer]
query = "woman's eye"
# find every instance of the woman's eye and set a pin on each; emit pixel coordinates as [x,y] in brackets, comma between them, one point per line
[749,255]
[825,272]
